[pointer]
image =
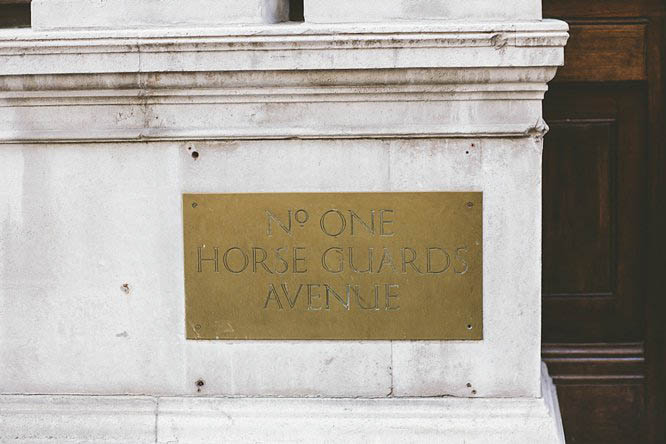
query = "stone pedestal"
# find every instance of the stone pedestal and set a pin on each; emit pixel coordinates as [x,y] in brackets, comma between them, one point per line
[97,134]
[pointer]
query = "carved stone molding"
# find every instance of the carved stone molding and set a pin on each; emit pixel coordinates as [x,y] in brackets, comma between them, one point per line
[282,81]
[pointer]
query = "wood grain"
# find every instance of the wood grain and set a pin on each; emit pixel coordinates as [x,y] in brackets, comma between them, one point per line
[595,8]
[601,391]
[604,53]
[611,391]
[594,198]
[579,180]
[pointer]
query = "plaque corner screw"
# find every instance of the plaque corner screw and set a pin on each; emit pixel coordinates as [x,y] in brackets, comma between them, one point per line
[470,204]
[194,204]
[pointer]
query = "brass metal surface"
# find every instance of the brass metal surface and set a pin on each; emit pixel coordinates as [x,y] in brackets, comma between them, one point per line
[333,265]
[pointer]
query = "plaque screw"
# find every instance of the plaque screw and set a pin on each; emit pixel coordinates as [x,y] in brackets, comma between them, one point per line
[197,327]
[194,204]
[470,204]
[469,326]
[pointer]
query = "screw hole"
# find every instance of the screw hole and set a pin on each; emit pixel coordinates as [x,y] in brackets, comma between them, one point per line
[469,326]
[469,384]
[466,152]
[195,154]
[200,383]
[473,392]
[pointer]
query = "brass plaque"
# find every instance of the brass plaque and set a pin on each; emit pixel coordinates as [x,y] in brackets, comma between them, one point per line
[333,265]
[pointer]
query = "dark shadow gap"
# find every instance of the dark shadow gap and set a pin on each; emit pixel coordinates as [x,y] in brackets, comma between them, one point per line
[14,13]
[296,11]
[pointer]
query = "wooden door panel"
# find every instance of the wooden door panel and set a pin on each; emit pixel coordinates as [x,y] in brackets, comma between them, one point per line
[594,8]
[601,52]
[578,183]
[618,412]
[594,192]
[601,391]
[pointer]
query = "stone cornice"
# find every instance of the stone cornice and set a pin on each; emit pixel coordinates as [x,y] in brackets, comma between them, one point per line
[285,47]
[280,81]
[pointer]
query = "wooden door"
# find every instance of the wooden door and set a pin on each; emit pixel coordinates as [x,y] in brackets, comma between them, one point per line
[602,341]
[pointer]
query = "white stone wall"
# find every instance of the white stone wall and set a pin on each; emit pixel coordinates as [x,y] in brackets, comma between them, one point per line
[123,14]
[80,221]
[349,11]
